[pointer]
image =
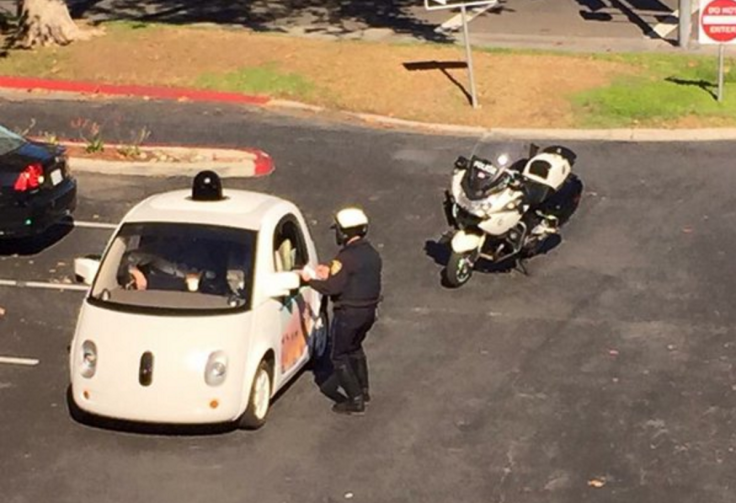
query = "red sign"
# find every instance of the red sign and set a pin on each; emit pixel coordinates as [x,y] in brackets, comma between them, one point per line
[718,20]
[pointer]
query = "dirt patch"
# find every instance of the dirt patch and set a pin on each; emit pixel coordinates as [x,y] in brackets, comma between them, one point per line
[416,82]
[151,154]
[127,154]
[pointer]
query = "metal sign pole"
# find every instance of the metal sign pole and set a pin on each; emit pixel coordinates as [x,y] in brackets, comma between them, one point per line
[685,13]
[721,50]
[469,57]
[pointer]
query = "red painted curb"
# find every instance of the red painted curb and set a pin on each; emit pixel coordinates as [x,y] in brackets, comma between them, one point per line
[167,93]
[263,164]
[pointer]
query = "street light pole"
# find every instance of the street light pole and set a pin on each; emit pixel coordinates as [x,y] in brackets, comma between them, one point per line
[684,26]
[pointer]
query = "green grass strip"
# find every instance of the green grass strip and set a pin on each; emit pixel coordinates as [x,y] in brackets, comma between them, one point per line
[264,79]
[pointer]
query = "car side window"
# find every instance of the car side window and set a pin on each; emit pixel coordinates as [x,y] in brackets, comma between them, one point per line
[289,248]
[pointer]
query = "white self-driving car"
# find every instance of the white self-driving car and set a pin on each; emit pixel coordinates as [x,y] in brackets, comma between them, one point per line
[195,313]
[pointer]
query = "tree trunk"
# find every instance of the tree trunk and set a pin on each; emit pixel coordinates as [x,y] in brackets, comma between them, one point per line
[47,22]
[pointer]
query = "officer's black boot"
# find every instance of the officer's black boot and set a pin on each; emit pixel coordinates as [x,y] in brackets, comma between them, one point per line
[360,367]
[354,404]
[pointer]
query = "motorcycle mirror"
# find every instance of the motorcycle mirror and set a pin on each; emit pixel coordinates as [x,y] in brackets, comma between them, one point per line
[461,163]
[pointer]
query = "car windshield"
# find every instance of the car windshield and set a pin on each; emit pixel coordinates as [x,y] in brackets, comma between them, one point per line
[9,141]
[171,266]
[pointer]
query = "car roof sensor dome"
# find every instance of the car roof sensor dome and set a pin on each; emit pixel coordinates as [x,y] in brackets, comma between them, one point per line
[207,187]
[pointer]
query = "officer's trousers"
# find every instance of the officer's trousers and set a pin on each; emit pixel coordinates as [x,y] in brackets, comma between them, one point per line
[350,325]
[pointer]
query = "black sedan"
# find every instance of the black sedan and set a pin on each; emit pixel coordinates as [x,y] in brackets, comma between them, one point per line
[36,187]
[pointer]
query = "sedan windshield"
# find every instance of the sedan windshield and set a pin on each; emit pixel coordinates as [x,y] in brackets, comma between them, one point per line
[9,141]
[171,266]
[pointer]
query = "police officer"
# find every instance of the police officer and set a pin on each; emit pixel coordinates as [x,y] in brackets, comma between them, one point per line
[353,283]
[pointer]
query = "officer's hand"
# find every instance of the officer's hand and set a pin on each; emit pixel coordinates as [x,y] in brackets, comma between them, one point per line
[139,279]
[323,271]
[305,276]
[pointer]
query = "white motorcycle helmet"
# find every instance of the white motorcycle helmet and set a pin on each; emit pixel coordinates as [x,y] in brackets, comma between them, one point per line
[349,223]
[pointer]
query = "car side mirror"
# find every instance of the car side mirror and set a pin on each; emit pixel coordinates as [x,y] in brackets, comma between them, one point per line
[85,268]
[281,284]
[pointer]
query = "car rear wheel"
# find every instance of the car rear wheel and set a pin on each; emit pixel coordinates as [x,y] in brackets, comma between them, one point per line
[259,401]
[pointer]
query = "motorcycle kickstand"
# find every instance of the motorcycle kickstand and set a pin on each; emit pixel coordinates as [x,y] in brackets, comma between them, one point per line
[521,266]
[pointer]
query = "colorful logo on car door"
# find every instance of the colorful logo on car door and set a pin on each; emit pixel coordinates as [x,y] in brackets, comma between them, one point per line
[294,337]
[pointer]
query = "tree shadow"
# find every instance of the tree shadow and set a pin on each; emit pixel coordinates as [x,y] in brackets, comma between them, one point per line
[5,20]
[634,12]
[704,85]
[442,66]
[77,8]
[332,17]
[8,30]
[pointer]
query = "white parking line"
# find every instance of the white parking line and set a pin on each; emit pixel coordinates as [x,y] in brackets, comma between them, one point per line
[10,360]
[456,21]
[94,225]
[662,30]
[43,285]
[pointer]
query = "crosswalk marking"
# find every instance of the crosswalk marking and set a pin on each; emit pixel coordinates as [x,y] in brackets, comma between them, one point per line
[456,21]
[662,30]
[11,360]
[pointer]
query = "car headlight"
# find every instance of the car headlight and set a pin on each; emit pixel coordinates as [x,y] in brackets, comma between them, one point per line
[216,370]
[88,359]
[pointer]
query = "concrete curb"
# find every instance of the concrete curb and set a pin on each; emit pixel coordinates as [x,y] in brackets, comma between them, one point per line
[75,90]
[228,163]
[623,135]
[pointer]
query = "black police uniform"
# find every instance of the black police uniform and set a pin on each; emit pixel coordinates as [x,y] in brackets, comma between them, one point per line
[354,286]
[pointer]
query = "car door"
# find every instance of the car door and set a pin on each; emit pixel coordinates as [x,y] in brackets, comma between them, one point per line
[296,311]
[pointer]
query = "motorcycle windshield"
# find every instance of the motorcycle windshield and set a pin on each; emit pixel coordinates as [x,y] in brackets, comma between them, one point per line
[504,154]
[482,179]
[489,166]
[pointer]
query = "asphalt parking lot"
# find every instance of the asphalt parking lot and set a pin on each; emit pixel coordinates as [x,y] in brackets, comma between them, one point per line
[607,375]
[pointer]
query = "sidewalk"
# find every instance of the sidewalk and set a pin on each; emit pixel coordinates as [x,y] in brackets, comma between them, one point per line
[419,87]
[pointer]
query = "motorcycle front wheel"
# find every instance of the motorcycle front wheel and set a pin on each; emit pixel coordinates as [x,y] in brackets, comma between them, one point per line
[459,269]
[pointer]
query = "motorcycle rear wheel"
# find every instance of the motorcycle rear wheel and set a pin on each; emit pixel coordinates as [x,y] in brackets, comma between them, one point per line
[459,269]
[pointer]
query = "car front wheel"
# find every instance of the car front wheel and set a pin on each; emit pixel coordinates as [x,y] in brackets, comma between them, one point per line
[260,399]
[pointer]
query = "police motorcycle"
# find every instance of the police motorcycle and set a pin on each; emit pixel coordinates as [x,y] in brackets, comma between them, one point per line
[505,201]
